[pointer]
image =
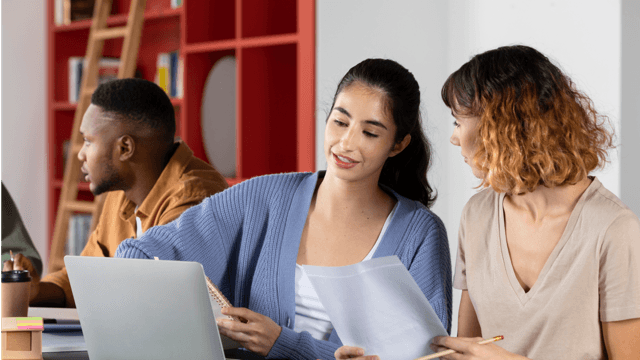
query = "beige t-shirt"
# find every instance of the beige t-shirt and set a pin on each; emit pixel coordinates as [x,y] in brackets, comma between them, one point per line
[592,276]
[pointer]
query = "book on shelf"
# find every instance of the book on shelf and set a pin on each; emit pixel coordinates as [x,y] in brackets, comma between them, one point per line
[66,11]
[107,70]
[169,73]
[180,78]
[58,12]
[163,72]
[78,233]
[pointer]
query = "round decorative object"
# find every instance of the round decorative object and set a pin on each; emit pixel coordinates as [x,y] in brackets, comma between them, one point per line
[219,116]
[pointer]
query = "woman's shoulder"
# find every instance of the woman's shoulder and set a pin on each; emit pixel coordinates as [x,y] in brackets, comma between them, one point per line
[481,205]
[420,215]
[483,199]
[606,209]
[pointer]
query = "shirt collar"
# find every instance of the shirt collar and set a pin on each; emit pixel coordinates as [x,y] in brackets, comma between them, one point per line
[171,172]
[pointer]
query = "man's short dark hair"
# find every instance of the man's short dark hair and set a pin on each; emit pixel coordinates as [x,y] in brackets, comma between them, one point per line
[140,103]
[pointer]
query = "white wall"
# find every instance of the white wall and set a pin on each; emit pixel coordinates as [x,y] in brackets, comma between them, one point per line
[434,38]
[630,107]
[24,121]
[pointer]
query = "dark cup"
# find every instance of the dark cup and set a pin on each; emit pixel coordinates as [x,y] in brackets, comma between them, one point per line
[16,285]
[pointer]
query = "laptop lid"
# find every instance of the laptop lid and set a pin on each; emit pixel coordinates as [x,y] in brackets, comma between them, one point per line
[143,309]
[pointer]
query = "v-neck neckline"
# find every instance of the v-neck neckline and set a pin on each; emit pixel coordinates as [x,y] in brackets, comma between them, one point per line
[523,296]
[294,225]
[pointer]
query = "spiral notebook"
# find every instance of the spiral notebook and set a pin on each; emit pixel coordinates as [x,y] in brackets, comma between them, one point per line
[219,301]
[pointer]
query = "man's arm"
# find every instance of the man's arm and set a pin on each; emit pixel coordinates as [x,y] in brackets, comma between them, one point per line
[55,288]
[49,295]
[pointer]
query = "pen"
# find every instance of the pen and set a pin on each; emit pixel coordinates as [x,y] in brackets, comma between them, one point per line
[447,352]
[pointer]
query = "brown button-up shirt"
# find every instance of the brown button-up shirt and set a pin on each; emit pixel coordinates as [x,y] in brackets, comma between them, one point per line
[184,182]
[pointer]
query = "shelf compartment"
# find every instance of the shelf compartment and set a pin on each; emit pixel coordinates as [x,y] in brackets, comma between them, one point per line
[68,44]
[84,194]
[150,46]
[74,43]
[209,21]
[199,65]
[268,111]
[260,17]
[62,126]
[121,19]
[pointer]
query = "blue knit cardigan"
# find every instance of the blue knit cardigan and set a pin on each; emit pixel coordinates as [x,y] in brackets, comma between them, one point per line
[247,239]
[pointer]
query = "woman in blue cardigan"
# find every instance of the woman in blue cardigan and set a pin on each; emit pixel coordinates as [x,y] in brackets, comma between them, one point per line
[372,201]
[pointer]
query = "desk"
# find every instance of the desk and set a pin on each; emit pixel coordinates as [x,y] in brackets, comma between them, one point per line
[82,355]
[70,317]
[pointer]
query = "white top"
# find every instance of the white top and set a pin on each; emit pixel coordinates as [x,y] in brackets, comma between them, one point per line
[139,231]
[592,276]
[310,314]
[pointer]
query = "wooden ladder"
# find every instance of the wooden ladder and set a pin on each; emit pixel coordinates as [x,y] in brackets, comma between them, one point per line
[98,33]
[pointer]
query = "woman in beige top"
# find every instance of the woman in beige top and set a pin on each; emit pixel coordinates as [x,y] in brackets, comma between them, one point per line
[547,256]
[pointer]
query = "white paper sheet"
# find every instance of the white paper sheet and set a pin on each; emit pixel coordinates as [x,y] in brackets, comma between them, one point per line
[376,305]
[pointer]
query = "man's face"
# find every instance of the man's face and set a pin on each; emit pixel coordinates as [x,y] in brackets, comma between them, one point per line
[99,155]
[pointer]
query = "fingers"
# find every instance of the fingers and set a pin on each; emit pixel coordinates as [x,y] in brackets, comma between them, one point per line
[18,262]
[461,345]
[226,328]
[258,334]
[353,352]
[347,352]
[7,266]
[234,326]
[233,311]
[243,314]
[21,262]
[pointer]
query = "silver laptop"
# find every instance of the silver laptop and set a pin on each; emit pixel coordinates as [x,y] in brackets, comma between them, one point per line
[144,309]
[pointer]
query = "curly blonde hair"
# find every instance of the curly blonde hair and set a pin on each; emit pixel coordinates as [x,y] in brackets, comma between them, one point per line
[535,128]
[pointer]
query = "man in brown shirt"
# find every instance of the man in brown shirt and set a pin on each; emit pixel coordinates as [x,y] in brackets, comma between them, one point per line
[129,151]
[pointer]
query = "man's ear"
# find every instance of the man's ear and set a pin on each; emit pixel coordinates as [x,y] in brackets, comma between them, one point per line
[125,147]
[398,147]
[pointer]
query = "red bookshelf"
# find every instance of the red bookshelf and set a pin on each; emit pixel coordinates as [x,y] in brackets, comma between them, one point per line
[273,43]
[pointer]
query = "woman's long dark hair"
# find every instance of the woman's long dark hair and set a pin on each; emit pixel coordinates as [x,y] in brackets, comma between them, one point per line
[405,173]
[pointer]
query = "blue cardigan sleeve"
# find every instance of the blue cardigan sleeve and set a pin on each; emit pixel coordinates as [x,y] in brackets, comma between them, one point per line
[431,269]
[203,233]
[301,346]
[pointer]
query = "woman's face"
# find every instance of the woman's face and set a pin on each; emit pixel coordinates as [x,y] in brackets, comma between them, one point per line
[464,135]
[359,135]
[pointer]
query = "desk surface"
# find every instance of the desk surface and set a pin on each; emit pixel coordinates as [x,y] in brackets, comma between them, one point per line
[71,316]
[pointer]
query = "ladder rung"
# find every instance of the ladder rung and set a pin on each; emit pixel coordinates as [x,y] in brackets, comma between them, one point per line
[110,33]
[82,206]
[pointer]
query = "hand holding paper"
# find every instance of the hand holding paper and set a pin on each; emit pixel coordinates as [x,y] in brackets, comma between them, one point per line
[377,305]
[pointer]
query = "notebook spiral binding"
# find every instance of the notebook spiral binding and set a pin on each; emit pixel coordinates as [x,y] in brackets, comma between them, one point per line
[219,297]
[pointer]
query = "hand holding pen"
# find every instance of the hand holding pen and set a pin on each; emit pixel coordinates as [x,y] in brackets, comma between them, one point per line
[454,348]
